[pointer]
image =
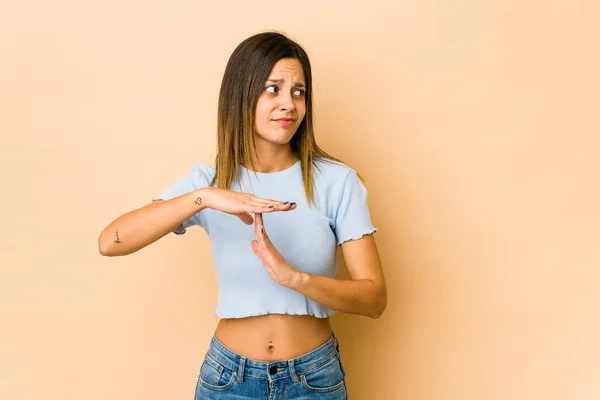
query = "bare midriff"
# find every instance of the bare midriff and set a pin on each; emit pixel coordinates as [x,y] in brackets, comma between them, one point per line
[273,337]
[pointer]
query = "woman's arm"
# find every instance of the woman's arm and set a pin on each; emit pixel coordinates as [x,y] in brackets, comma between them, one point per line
[138,228]
[365,293]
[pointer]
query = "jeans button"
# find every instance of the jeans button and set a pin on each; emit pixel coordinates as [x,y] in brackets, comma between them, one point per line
[273,370]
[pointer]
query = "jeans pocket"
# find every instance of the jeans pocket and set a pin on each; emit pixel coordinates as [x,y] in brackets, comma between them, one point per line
[325,378]
[215,376]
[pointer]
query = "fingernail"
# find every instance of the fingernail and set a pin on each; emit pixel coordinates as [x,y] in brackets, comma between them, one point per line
[286,202]
[271,207]
[262,230]
[293,204]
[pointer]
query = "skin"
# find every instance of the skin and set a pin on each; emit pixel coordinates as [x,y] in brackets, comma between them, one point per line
[282,99]
[281,337]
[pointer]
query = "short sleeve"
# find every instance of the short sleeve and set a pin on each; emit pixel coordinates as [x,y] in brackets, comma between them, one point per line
[352,219]
[198,177]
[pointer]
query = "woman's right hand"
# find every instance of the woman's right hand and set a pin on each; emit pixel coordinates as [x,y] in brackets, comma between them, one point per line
[242,204]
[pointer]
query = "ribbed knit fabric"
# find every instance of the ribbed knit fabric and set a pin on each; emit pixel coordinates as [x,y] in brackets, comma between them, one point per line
[307,237]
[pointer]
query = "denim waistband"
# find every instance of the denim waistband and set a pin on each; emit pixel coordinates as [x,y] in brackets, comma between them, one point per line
[273,370]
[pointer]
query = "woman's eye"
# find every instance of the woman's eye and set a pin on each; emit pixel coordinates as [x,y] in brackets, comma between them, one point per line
[275,89]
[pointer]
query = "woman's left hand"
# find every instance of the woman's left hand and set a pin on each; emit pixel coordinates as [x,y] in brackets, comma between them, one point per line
[278,268]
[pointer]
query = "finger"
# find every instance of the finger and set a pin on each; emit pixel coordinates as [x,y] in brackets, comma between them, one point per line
[263,237]
[256,207]
[258,224]
[282,208]
[264,254]
[269,202]
[266,240]
[256,203]
[276,205]
[262,210]
[257,249]
[259,230]
[287,206]
[245,217]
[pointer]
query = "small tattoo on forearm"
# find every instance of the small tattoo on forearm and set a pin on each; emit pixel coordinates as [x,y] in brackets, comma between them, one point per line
[198,201]
[117,235]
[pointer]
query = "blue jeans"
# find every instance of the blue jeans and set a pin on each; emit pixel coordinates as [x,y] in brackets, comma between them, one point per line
[318,374]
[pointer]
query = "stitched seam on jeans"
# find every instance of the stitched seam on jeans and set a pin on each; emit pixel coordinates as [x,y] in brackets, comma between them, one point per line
[213,387]
[327,389]
[317,366]
[214,363]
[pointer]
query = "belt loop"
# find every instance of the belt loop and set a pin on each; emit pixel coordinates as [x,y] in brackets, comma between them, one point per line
[295,378]
[240,377]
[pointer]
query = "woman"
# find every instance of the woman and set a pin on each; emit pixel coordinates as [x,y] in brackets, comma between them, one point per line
[275,272]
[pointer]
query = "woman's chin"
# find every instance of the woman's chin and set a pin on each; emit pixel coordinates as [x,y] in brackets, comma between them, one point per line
[277,139]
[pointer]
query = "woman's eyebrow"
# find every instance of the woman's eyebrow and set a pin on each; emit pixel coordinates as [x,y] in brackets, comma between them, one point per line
[297,84]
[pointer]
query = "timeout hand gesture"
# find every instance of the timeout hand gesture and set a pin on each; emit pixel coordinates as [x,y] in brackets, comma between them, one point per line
[242,204]
[278,268]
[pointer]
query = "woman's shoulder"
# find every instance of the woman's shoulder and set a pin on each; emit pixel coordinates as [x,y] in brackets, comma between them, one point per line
[204,168]
[331,170]
[203,172]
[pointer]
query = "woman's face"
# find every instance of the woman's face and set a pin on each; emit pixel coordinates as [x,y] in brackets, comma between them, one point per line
[282,105]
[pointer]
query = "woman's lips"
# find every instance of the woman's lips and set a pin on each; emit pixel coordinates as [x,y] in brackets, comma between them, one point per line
[285,121]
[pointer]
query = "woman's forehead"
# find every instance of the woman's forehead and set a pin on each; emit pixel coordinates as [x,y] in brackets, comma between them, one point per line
[286,67]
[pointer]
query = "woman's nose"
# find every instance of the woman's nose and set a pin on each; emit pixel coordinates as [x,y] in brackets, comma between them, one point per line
[287,103]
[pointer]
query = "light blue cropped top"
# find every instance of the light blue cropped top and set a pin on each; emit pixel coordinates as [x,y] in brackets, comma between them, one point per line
[307,237]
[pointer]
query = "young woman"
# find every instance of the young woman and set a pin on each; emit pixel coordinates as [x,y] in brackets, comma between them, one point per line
[275,271]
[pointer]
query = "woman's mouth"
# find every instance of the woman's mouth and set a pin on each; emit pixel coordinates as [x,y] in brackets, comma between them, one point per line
[285,121]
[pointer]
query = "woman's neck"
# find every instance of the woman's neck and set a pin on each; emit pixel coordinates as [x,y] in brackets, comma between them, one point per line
[269,162]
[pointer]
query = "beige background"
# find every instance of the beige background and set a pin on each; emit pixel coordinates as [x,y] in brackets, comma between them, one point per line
[474,123]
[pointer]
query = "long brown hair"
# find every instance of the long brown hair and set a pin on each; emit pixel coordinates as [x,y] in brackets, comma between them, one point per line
[245,75]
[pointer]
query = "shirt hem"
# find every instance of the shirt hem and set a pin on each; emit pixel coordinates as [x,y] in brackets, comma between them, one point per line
[237,316]
[356,237]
